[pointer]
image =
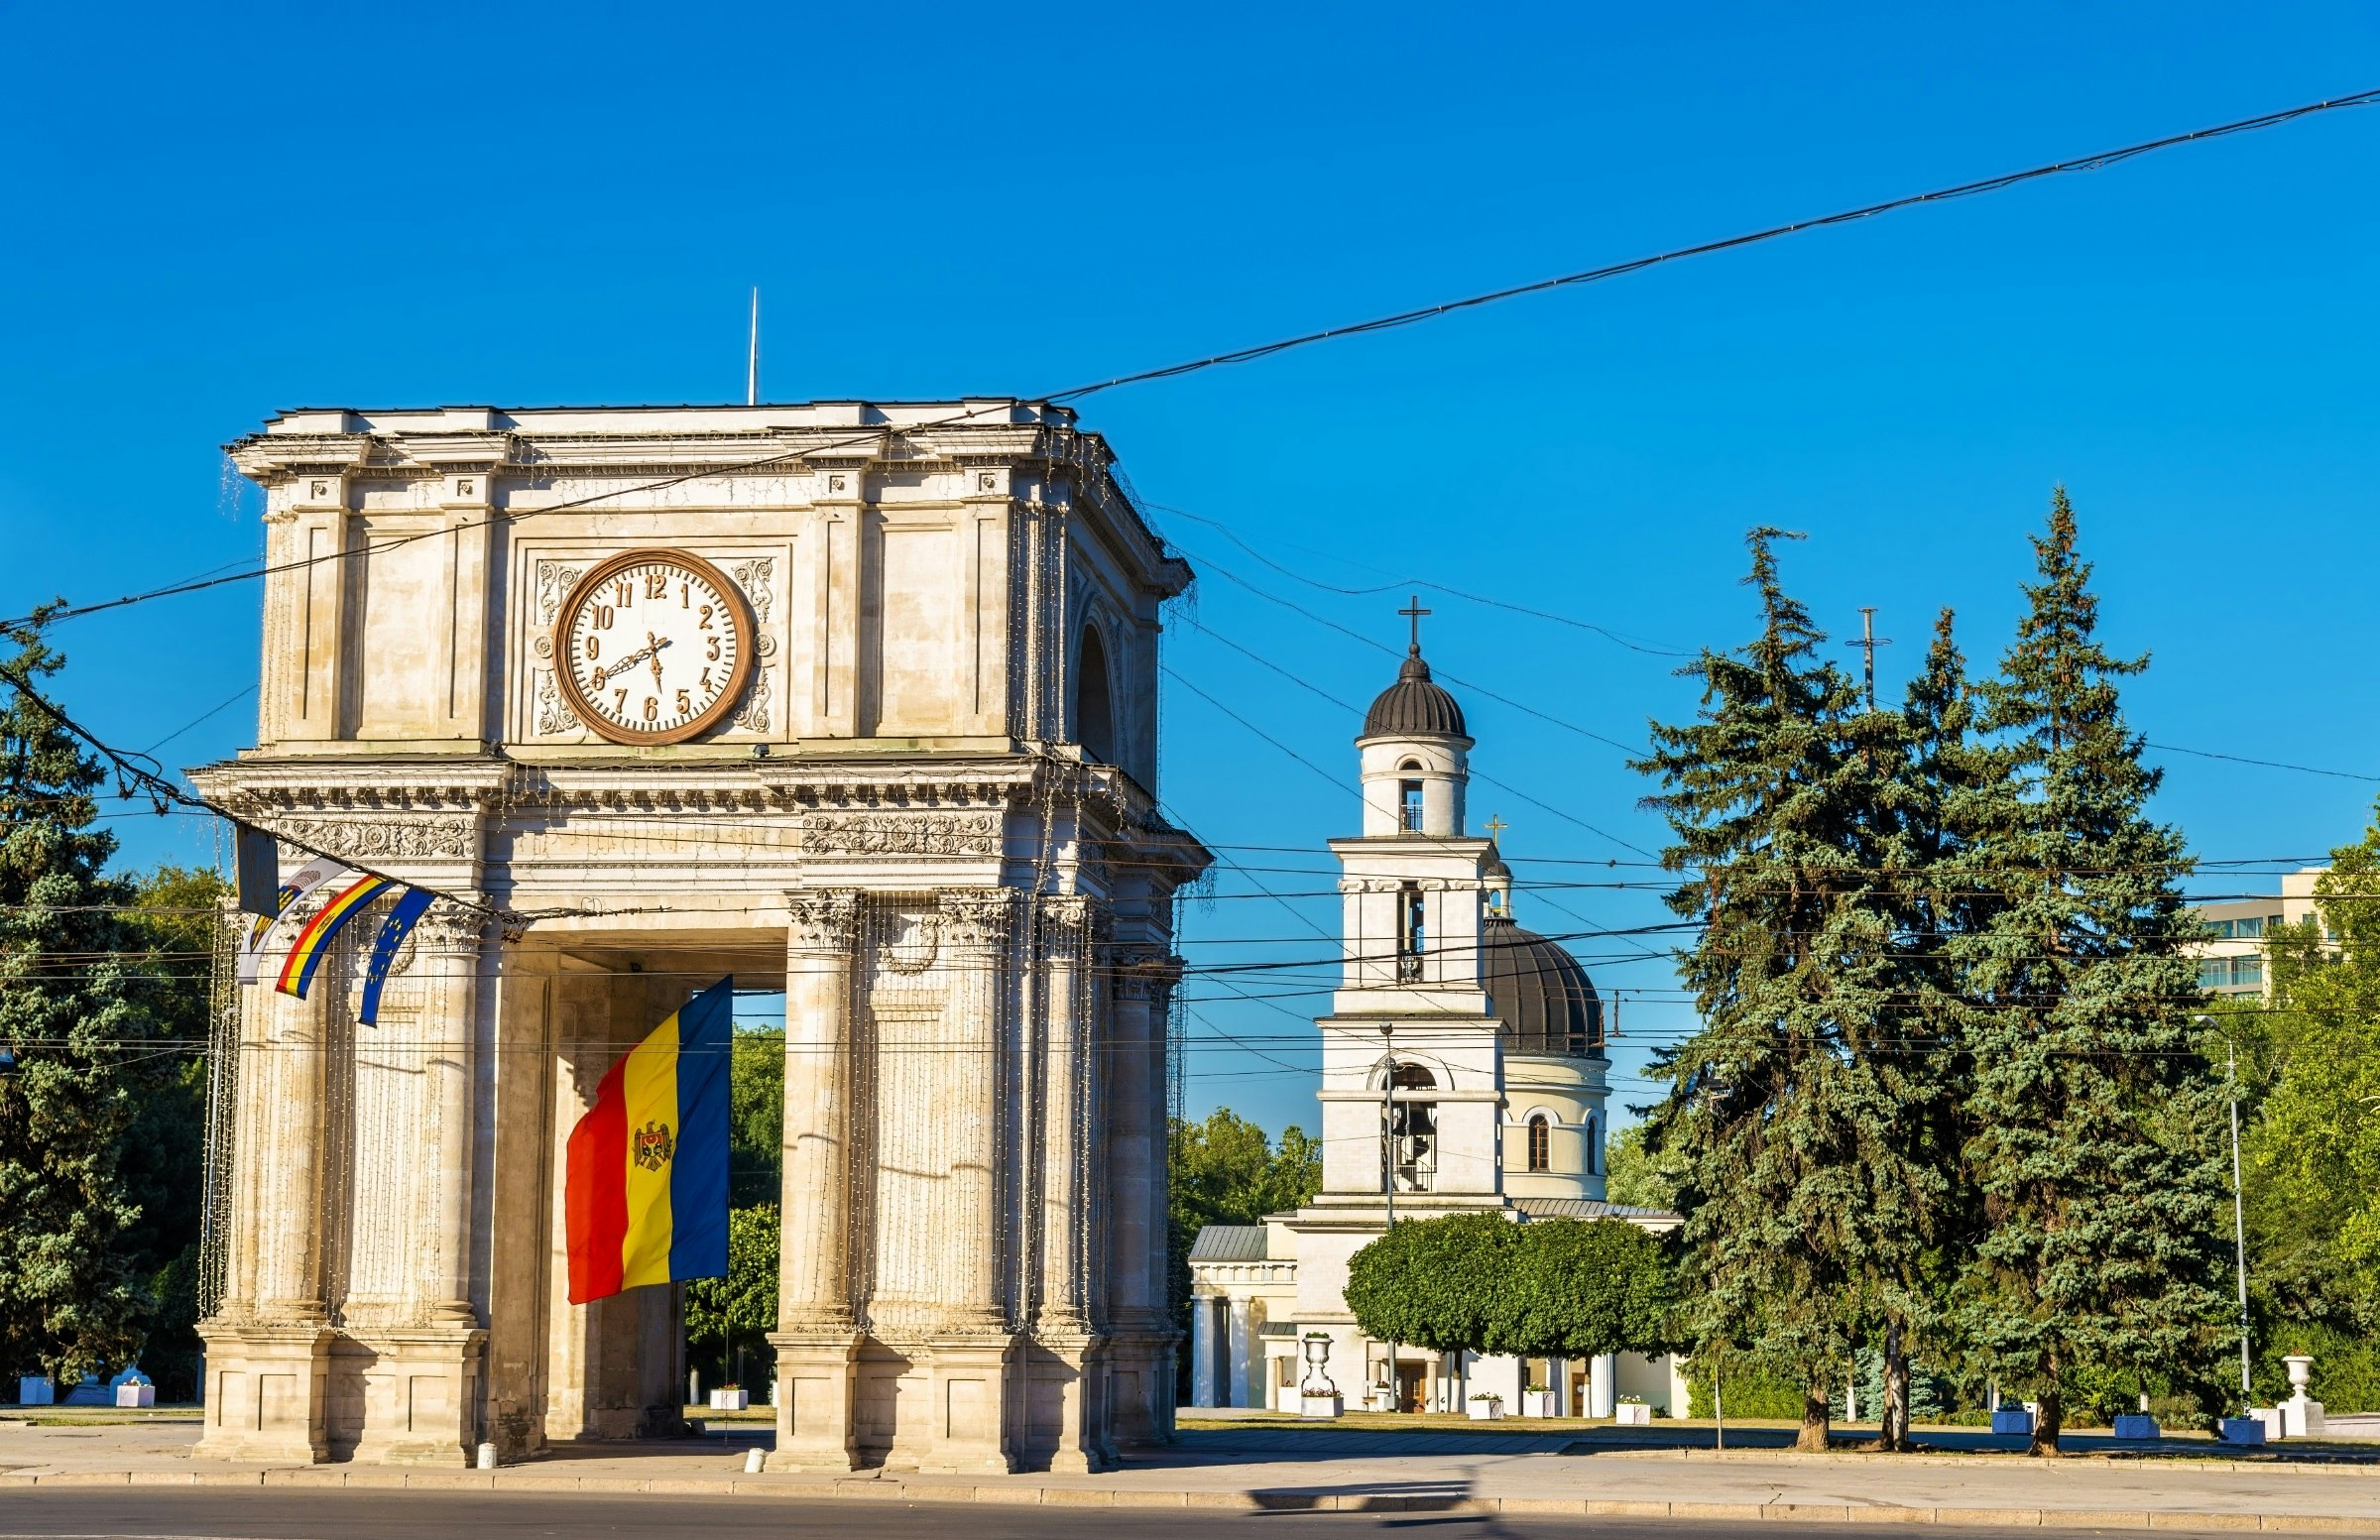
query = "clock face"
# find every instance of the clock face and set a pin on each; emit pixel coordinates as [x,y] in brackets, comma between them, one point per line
[653,647]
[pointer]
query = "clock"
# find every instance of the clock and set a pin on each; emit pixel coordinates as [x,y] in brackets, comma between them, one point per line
[653,647]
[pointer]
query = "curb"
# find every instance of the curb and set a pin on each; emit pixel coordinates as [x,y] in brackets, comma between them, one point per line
[1288,1499]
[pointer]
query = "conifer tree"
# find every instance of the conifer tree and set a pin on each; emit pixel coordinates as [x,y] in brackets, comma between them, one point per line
[71,1299]
[2093,1124]
[1803,1200]
[1932,806]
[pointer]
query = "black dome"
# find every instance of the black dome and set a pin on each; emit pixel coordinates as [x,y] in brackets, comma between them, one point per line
[1415,707]
[1542,999]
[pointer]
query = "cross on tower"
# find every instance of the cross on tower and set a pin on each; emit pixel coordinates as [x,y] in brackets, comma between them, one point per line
[1414,612]
[1868,643]
[1496,827]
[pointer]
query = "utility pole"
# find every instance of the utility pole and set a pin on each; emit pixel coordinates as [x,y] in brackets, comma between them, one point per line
[1868,643]
[1388,1156]
[2239,1218]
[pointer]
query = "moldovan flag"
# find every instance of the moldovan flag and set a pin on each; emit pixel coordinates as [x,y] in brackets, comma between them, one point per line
[646,1196]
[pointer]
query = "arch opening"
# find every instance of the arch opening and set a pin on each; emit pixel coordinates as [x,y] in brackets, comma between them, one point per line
[1093,705]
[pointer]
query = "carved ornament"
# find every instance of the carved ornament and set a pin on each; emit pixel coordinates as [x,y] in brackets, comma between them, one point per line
[406,839]
[903,834]
[822,921]
[976,919]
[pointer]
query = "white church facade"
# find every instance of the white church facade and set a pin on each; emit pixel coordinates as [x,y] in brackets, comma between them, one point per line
[899,763]
[1463,1069]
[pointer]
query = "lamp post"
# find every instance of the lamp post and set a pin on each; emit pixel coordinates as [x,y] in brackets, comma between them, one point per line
[2239,1217]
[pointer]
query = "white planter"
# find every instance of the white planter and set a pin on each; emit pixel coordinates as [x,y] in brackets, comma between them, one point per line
[1320,1406]
[1539,1403]
[730,1400]
[2137,1425]
[136,1396]
[1484,1411]
[1632,1415]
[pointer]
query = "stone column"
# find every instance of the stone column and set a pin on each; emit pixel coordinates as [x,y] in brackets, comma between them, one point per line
[1243,1343]
[1602,1396]
[267,1346]
[425,1405]
[971,1354]
[1202,1351]
[816,1339]
[1140,1332]
[1072,1366]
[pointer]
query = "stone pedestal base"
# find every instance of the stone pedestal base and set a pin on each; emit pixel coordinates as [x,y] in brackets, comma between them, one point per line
[818,1375]
[1141,1387]
[967,1398]
[1068,1376]
[421,1397]
[266,1390]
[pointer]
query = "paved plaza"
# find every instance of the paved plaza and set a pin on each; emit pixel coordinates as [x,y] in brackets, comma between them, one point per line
[1545,1469]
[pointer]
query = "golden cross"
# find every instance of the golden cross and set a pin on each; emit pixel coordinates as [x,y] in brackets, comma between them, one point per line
[1496,827]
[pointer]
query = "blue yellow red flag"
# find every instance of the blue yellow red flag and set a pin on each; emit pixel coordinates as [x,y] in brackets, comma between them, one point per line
[645,1200]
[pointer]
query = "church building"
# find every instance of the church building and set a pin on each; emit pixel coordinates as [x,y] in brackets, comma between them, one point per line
[1463,1069]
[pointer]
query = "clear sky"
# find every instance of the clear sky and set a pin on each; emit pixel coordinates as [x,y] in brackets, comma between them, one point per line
[214,215]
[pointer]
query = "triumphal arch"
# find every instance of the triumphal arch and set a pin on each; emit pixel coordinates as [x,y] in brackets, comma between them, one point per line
[856,700]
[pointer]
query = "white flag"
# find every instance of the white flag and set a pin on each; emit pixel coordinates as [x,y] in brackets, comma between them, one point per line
[307,878]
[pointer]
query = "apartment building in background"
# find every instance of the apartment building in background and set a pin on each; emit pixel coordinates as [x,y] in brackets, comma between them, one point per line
[2232,961]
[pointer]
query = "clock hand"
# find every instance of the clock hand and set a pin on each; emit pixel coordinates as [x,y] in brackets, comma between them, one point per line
[653,650]
[621,666]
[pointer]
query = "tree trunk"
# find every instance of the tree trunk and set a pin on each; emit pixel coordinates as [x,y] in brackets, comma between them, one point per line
[2050,1419]
[1895,1432]
[1817,1412]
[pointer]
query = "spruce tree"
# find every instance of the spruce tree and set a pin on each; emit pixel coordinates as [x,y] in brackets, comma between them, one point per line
[2094,1122]
[1804,1205]
[71,1300]
[1932,806]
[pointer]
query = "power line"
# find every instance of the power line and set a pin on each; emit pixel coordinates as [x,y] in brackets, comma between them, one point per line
[2092,162]
[2096,162]
[2240,759]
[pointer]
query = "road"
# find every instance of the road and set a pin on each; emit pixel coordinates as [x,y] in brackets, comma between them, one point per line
[157,1514]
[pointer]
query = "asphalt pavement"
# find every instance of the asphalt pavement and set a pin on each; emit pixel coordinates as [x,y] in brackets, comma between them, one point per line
[165,1514]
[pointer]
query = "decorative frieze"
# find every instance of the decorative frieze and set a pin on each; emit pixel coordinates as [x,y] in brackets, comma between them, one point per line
[386,839]
[903,834]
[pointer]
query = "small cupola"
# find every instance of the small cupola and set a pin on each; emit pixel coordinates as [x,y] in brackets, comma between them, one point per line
[1415,753]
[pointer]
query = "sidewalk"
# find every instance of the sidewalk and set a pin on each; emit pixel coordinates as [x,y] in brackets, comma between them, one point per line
[1252,1467]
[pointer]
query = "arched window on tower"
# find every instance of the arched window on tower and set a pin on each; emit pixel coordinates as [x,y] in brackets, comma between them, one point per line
[1408,799]
[1412,1154]
[1412,933]
[1541,1143]
[1591,1159]
[1094,710]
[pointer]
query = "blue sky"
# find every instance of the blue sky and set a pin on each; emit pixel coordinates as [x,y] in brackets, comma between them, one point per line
[215,218]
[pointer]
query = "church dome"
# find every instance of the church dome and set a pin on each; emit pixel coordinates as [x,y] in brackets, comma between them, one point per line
[1415,706]
[1543,1002]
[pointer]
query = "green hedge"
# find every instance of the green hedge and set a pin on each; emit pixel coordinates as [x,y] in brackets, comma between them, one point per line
[1745,1394]
[2346,1368]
